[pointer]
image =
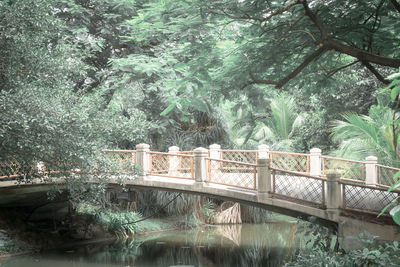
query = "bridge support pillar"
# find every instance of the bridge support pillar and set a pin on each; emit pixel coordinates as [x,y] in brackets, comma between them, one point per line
[200,164]
[264,181]
[333,195]
[142,158]
[315,162]
[371,176]
[263,152]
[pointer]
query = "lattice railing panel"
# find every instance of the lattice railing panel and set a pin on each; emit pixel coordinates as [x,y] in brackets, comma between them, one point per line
[171,165]
[299,187]
[349,169]
[366,198]
[386,174]
[232,173]
[14,169]
[247,156]
[159,163]
[123,158]
[290,161]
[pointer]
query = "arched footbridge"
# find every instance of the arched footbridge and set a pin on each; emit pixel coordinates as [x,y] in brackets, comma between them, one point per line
[343,192]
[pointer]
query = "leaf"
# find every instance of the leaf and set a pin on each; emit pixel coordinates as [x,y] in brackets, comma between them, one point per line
[168,109]
[395,213]
[395,91]
[199,105]
[394,202]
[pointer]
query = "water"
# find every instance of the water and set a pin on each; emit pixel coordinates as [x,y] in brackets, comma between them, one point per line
[267,244]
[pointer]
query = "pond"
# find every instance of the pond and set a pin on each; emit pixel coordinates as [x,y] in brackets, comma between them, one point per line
[268,244]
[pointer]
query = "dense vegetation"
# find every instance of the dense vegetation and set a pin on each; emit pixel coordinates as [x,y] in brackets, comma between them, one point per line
[78,76]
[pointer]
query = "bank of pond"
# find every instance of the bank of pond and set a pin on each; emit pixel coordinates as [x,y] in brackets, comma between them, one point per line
[283,241]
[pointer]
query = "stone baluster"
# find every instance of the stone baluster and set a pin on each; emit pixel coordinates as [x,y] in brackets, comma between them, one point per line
[264,179]
[142,158]
[315,162]
[215,153]
[200,164]
[371,175]
[263,152]
[333,195]
[173,166]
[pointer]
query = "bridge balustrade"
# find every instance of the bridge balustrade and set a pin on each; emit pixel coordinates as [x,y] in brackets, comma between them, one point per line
[349,169]
[300,187]
[297,162]
[174,165]
[232,173]
[386,174]
[365,198]
[126,159]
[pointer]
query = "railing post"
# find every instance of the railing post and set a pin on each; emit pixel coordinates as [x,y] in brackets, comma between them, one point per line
[142,158]
[200,164]
[264,181]
[215,153]
[263,152]
[315,162]
[173,160]
[333,194]
[371,176]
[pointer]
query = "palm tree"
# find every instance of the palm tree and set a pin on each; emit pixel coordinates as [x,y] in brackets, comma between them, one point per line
[361,136]
[277,128]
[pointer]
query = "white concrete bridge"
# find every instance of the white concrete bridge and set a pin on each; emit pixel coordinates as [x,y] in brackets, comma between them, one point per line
[344,192]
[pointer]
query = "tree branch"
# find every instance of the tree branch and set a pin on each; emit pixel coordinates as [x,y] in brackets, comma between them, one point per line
[280,11]
[291,75]
[314,19]
[331,72]
[375,72]
[248,17]
[396,5]
[362,55]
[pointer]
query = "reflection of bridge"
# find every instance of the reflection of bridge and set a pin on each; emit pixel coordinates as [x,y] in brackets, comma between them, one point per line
[328,188]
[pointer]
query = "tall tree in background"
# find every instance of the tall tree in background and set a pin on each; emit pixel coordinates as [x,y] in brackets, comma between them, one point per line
[43,116]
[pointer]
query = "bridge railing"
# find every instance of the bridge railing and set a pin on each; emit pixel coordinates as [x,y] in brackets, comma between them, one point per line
[349,169]
[14,169]
[232,173]
[298,186]
[386,174]
[366,198]
[297,162]
[171,165]
[126,159]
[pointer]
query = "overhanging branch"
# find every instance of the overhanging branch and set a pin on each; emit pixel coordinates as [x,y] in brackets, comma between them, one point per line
[395,4]
[291,75]
[375,72]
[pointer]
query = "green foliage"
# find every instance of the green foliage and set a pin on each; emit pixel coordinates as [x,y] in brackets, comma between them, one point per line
[117,222]
[382,255]
[376,134]
[208,211]
[276,128]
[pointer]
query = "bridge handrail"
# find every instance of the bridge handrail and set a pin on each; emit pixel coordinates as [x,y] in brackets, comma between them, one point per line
[171,154]
[118,150]
[298,174]
[342,159]
[380,187]
[290,153]
[233,162]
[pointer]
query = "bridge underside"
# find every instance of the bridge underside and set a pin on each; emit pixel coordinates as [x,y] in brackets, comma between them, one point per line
[20,195]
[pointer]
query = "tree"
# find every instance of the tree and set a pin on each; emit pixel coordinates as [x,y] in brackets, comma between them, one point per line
[376,134]
[276,128]
[43,117]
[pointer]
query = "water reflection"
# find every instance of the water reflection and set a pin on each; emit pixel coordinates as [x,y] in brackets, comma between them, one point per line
[224,245]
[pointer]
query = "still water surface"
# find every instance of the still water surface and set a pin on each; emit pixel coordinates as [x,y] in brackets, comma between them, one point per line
[267,244]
